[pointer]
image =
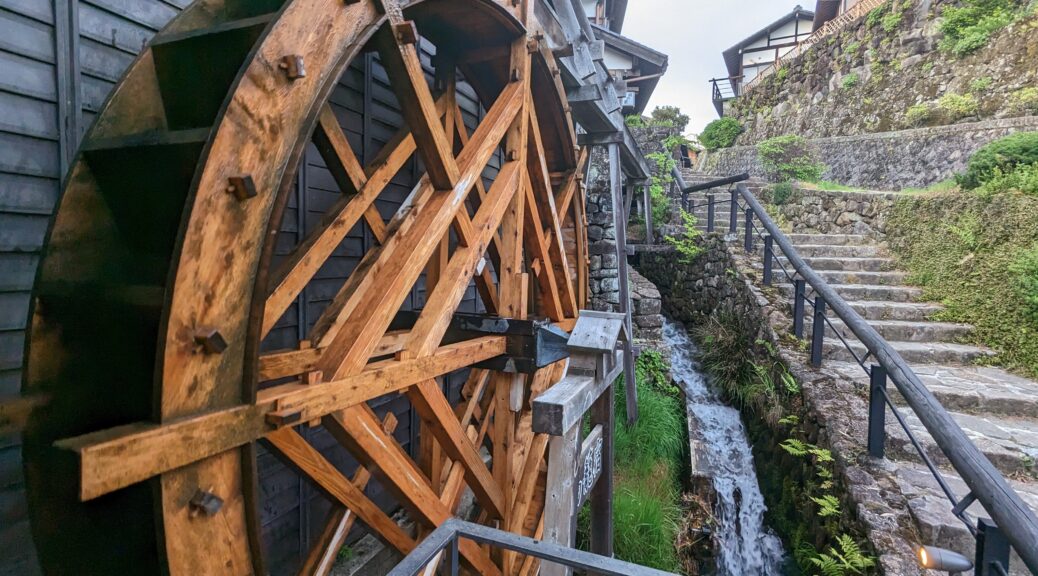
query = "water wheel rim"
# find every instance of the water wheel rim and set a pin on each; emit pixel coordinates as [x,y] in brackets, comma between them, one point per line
[206,358]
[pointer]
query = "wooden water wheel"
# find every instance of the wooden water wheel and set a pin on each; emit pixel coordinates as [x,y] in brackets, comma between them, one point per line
[162,278]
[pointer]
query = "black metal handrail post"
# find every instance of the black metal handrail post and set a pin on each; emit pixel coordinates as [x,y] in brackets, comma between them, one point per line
[818,331]
[769,256]
[710,212]
[877,411]
[799,288]
[1014,519]
[748,240]
[733,209]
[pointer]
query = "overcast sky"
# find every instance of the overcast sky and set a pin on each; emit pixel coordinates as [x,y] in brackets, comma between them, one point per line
[694,33]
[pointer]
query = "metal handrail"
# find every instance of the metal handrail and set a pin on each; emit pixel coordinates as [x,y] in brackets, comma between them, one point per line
[1016,521]
[443,542]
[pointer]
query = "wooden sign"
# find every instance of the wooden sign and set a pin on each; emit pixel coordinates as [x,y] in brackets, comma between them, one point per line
[589,465]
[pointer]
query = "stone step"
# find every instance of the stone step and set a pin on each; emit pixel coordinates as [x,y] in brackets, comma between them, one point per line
[912,352]
[864,277]
[902,330]
[1011,444]
[982,390]
[864,292]
[829,239]
[931,509]
[838,250]
[879,310]
[847,264]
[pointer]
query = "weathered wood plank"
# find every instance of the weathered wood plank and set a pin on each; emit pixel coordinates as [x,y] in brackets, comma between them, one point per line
[115,458]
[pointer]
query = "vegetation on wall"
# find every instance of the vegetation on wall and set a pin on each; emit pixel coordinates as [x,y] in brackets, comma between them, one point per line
[977,254]
[720,133]
[789,157]
[968,26]
[687,244]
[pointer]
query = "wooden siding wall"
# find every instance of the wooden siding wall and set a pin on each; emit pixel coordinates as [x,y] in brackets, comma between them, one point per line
[59,60]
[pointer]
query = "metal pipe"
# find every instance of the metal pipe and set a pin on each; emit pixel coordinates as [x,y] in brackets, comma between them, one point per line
[1012,515]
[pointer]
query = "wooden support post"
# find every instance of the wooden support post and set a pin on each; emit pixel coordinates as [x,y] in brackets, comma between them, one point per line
[603,414]
[559,506]
[615,189]
[647,201]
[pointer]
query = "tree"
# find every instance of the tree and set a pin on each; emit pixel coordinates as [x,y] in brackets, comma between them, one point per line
[670,115]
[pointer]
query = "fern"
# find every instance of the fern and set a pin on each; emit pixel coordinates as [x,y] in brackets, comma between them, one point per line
[828,505]
[849,559]
[794,447]
[791,420]
[791,384]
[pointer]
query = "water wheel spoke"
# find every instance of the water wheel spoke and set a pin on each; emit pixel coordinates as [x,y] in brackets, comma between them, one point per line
[307,258]
[436,412]
[298,453]
[540,180]
[331,144]
[380,289]
[332,537]
[358,430]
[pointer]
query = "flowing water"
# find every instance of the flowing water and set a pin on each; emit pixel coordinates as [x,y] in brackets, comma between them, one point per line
[745,546]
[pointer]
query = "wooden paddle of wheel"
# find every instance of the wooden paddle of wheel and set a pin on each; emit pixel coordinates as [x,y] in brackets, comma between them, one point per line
[157,289]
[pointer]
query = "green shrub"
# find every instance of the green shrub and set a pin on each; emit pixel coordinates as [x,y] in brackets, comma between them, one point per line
[968,27]
[891,21]
[789,157]
[1022,178]
[981,85]
[720,133]
[781,192]
[999,158]
[1024,100]
[875,17]
[850,81]
[782,74]
[957,106]
[635,121]
[919,114]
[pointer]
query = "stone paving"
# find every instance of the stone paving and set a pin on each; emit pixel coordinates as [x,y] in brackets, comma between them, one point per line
[997,410]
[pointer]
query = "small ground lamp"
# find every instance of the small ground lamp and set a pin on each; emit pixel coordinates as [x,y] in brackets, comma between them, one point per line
[936,558]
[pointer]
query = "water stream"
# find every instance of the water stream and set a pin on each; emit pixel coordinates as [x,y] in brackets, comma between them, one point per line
[745,546]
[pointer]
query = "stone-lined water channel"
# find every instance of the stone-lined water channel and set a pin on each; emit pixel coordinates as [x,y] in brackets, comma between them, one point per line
[721,452]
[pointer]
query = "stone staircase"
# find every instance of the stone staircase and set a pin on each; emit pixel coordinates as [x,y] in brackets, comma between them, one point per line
[996,409]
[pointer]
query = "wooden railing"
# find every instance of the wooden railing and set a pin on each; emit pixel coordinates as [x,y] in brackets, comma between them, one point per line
[831,27]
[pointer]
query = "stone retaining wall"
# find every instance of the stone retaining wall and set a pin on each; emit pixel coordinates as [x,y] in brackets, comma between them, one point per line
[913,158]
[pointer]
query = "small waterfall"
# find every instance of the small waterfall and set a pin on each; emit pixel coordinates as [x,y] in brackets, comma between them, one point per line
[745,545]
